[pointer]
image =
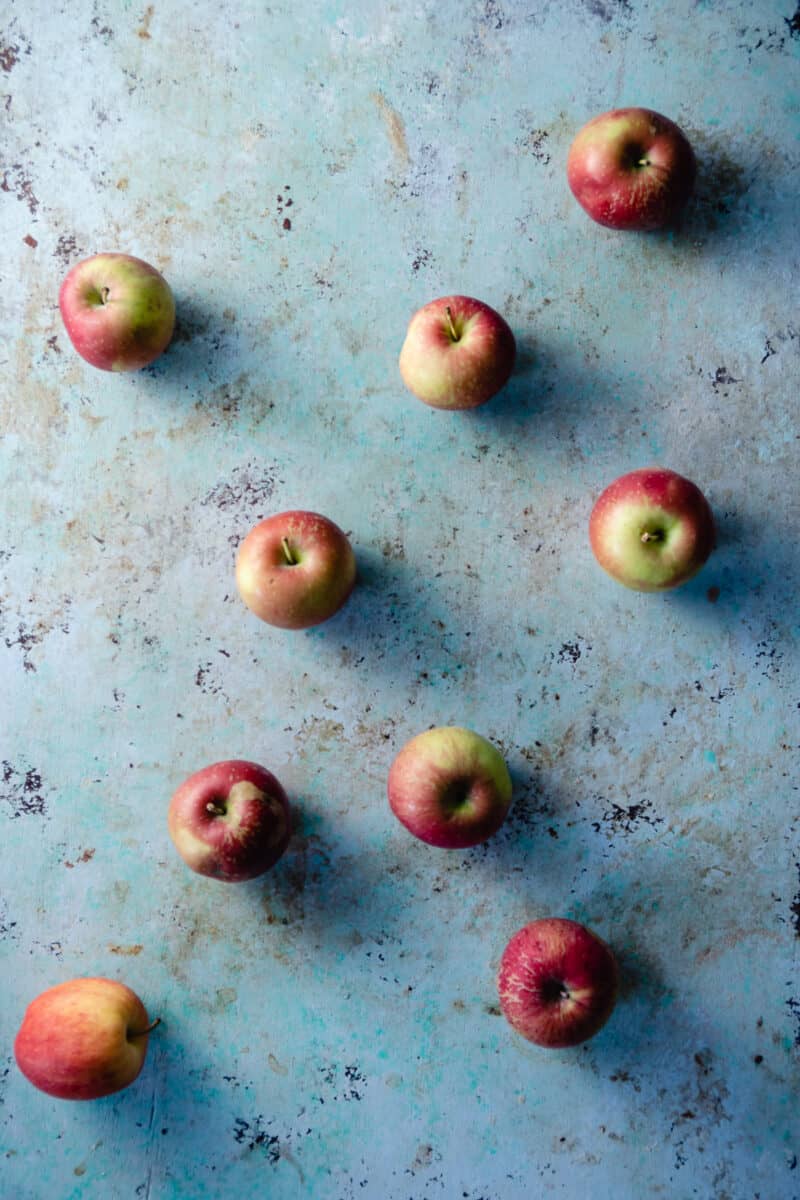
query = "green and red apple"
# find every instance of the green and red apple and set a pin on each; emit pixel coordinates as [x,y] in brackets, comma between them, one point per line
[119,311]
[295,569]
[83,1039]
[652,529]
[457,354]
[450,787]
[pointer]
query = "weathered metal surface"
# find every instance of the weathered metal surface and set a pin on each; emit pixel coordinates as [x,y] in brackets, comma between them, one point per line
[306,175]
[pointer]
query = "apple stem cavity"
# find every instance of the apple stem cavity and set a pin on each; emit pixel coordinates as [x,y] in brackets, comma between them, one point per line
[652,537]
[453,330]
[287,550]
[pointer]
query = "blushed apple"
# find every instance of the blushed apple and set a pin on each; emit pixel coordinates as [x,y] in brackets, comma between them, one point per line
[119,311]
[450,787]
[83,1039]
[558,982]
[457,353]
[631,168]
[652,529]
[295,569]
[230,821]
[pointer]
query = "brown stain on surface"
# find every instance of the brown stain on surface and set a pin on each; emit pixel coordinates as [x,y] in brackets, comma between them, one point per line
[394,127]
[144,29]
[126,951]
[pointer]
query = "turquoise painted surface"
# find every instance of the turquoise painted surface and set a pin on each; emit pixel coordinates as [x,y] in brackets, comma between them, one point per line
[332,1031]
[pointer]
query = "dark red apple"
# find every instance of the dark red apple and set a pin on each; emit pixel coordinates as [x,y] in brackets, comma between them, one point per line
[230,821]
[631,168]
[558,982]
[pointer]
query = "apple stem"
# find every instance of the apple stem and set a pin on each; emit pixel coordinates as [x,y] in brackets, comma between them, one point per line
[104,294]
[651,537]
[453,332]
[287,550]
[215,809]
[148,1029]
[643,162]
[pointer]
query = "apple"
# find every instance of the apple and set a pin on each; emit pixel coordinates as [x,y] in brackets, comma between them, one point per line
[458,353]
[295,569]
[118,311]
[558,982]
[631,168]
[230,821]
[450,787]
[652,529]
[83,1039]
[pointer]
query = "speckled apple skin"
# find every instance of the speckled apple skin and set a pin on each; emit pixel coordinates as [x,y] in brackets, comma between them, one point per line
[541,958]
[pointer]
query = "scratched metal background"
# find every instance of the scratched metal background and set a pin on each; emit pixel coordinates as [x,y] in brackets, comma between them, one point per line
[306,175]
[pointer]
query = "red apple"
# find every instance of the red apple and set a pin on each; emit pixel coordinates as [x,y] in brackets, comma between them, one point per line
[230,821]
[450,787]
[631,168]
[295,569]
[458,353]
[118,311]
[558,982]
[83,1039]
[652,529]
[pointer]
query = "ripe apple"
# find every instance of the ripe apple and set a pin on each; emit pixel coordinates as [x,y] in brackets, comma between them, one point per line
[631,168]
[295,569]
[83,1039]
[119,311]
[652,529]
[457,353]
[450,787]
[558,982]
[230,821]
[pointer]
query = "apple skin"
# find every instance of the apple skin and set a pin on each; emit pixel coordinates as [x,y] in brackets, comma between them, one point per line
[306,591]
[457,361]
[557,982]
[450,787]
[83,1039]
[119,311]
[652,529]
[631,168]
[230,821]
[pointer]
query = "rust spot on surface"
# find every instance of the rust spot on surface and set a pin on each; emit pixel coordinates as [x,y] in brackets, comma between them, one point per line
[84,857]
[126,951]
[30,241]
[122,184]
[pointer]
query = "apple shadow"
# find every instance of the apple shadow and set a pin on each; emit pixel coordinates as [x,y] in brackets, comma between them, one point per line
[203,349]
[396,618]
[752,577]
[315,894]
